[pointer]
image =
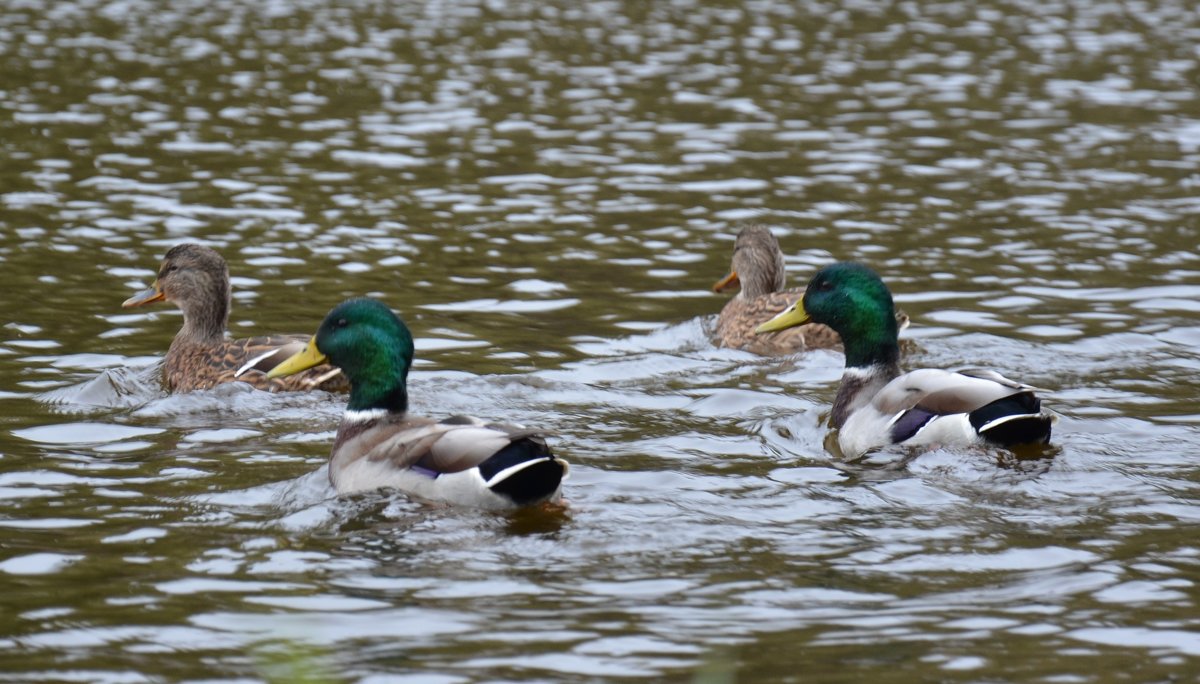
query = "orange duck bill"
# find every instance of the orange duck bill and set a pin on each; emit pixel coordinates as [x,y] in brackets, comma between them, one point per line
[153,294]
[726,282]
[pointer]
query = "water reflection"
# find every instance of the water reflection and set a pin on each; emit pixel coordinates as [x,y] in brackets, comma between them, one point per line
[545,192]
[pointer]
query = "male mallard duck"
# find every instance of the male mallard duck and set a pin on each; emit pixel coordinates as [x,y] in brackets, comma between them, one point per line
[460,459]
[758,267]
[877,406]
[196,279]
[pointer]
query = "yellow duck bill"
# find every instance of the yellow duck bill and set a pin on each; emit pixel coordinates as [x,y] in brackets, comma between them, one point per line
[300,361]
[791,317]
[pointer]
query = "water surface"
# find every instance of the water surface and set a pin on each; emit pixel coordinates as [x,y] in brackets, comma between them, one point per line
[545,191]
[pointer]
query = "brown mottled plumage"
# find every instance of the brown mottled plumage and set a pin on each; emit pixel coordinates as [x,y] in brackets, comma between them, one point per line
[758,267]
[196,279]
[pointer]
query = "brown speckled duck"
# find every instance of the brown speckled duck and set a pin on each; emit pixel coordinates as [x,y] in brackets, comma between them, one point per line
[202,355]
[758,267]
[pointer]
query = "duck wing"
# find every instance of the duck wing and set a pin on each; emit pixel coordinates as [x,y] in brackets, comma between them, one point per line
[451,445]
[194,365]
[741,316]
[932,404]
[414,454]
[943,392]
[249,360]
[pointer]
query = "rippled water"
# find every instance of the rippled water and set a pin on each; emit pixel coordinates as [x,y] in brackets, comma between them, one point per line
[546,191]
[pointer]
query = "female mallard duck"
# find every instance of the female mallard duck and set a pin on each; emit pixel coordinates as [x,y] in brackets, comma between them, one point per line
[201,356]
[460,459]
[758,267]
[877,406]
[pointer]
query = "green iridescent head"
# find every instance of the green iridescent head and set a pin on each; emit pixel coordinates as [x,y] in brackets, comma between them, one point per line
[370,344]
[851,299]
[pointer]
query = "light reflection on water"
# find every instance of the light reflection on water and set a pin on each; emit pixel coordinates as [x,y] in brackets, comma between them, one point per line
[545,193]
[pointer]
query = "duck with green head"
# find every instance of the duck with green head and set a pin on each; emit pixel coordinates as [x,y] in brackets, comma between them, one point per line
[877,405]
[460,460]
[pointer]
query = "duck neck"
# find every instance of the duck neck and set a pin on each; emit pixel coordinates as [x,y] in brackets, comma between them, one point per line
[761,272]
[761,282]
[872,361]
[859,385]
[373,396]
[877,348]
[205,319]
[379,380]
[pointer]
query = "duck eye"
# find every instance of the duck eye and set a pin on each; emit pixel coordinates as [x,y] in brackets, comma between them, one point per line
[341,323]
[824,286]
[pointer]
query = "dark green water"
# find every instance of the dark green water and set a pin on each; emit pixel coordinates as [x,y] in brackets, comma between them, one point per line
[546,191]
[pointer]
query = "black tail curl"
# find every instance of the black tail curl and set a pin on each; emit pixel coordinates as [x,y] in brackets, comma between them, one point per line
[1015,419]
[533,483]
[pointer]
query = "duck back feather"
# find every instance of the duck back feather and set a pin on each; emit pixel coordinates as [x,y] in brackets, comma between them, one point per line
[411,453]
[932,406]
